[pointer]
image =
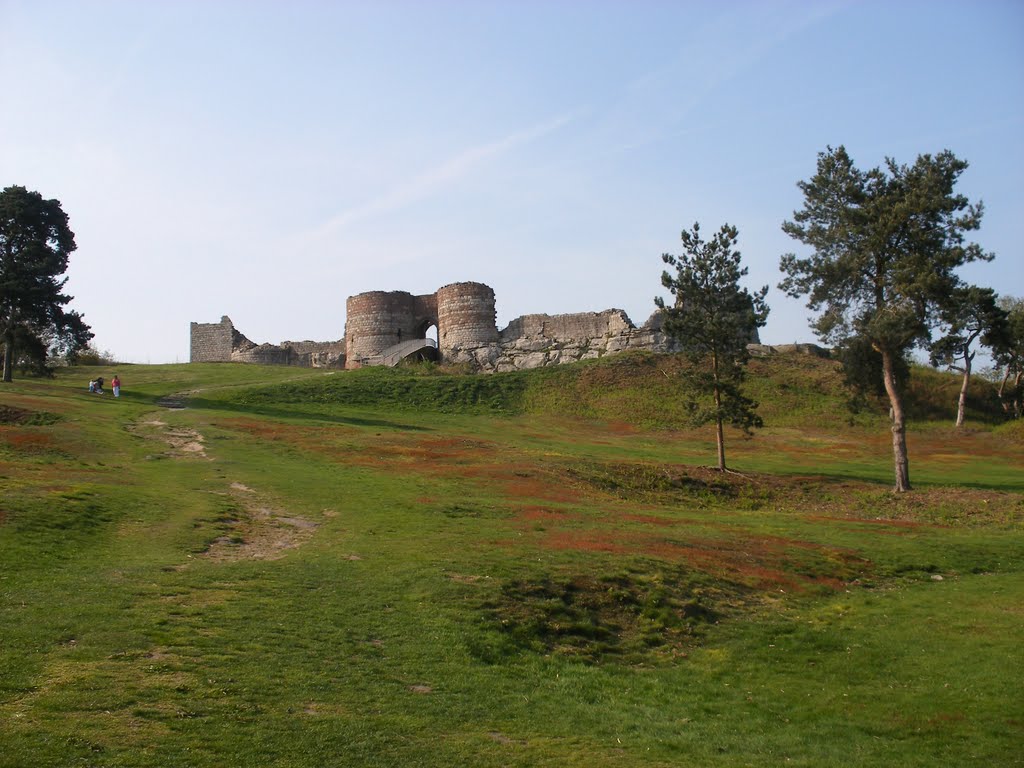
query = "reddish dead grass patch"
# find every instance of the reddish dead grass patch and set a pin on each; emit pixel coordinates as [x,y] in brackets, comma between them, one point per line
[620,428]
[318,439]
[456,457]
[964,444]
[268,430]
[761,562]
[28,442]
[432,455]
[35,405]
[463,459]
[666,522]
[539,487]
[533,514]
[586,541]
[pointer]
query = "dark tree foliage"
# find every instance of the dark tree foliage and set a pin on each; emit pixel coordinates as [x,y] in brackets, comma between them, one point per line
[31,354]
[38,354]
[969,315]
[1008,354]
[35,243]
[714,319]
[886,244]
[862,371]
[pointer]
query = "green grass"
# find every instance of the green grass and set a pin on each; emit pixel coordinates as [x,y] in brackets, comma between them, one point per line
[411,567]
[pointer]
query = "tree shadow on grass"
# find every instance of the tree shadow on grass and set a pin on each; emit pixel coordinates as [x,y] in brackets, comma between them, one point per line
[925,479]
[276,412]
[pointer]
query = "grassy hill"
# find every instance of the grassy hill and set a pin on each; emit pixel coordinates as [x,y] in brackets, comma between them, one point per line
[413,567]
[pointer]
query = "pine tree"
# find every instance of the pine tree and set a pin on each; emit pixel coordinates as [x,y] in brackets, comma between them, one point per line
[35,242]
[714,319]
[886,244]
[971,314]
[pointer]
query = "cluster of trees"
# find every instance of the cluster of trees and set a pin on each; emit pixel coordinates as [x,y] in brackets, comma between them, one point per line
[35,243]
[886,245]
[1008,353]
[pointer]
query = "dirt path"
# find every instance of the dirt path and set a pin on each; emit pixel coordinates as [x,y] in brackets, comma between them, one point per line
[181,441]
[258,528]
[259,531]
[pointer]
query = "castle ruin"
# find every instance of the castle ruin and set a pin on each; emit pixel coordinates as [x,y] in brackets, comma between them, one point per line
[386,327]
[222,343]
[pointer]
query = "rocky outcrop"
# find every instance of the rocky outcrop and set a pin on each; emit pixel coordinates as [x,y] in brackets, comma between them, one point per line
[534,341]
[767,350]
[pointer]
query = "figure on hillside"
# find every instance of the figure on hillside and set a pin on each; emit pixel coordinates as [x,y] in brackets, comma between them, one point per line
[96,385]
[115,384]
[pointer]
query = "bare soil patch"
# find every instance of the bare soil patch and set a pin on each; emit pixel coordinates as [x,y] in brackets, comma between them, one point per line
[182,441]
[258,531]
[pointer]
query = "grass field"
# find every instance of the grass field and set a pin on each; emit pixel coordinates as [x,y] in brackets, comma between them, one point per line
[412,568]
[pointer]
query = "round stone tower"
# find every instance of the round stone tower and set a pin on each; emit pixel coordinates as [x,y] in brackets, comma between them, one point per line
[465,316]
[375,321]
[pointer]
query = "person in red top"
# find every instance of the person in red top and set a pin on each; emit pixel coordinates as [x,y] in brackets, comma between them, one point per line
[116,384]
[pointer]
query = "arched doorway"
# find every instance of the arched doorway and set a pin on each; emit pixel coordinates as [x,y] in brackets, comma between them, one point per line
[426,331]
[430,332]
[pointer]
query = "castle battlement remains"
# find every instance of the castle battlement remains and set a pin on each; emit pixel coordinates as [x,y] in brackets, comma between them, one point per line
[383,327]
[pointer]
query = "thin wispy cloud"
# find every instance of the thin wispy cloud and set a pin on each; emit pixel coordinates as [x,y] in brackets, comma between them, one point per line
[706,72]
[322,150]
[437,178]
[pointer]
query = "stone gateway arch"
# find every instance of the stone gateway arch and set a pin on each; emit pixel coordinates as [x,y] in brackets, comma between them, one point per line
[383,324]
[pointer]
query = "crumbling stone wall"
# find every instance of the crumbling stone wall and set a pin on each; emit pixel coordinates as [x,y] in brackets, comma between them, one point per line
[211,342]
[533,341]
[222,343]
[304,354]
[464,314]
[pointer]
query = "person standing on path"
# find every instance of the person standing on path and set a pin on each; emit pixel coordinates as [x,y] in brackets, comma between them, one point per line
[115,383]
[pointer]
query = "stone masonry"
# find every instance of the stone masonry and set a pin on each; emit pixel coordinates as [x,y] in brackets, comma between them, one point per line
[222,343]
[211,342]
[463,314]
[380,322]
[533,341]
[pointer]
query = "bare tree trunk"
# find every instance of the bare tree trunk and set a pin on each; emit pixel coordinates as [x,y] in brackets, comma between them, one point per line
[962,402]
[899,430]
[721,441]
[8,358]
[718,414]
[1017,396]
[1002,390]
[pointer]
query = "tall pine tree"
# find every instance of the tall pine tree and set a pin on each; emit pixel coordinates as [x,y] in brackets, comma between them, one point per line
[886,244]
[35,242]
[714,319]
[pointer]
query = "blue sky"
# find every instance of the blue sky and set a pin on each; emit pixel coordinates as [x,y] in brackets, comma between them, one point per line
[266,160]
